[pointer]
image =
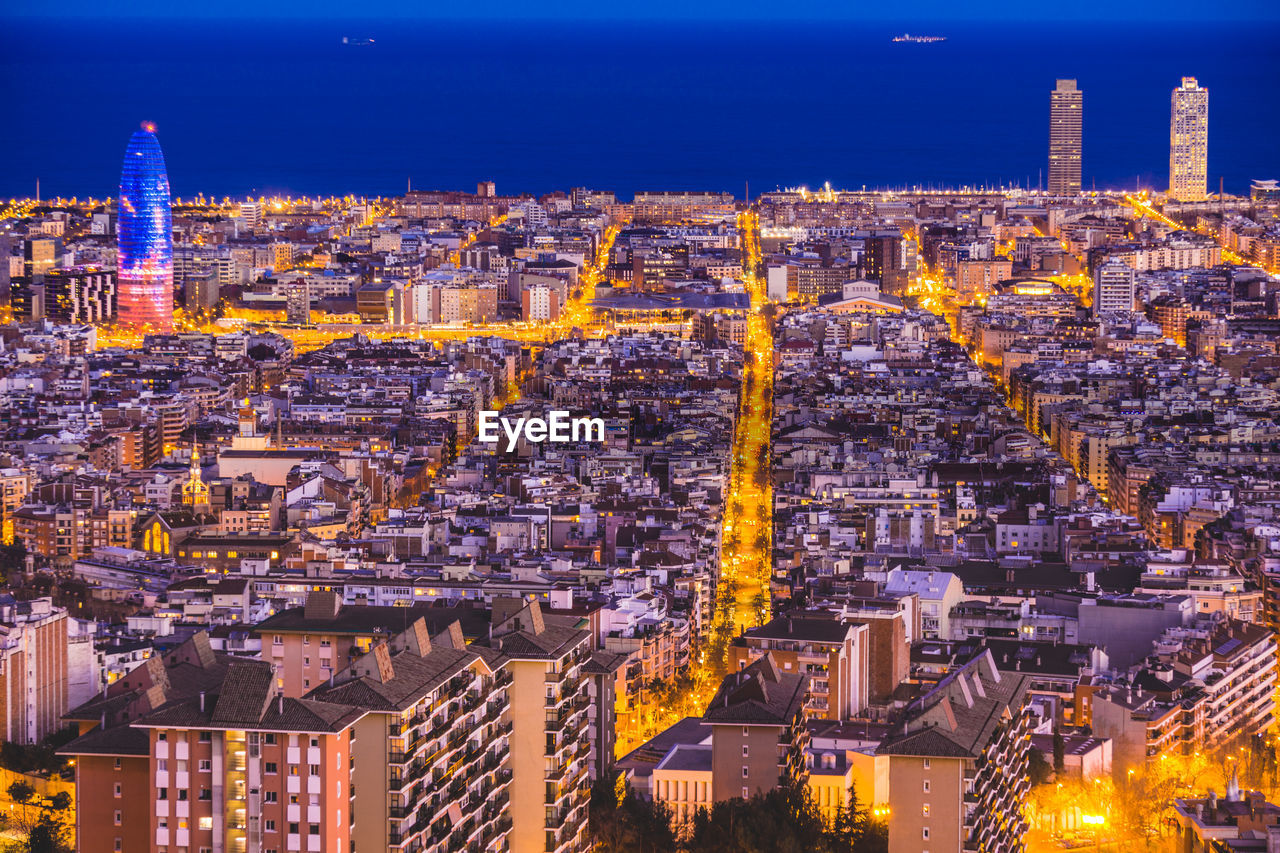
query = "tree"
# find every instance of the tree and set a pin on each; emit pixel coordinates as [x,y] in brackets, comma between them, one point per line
[47,836]
[1059,751]
[620,821]
[784,820]
[855,829]
[21,792]
[25,817]
[1039,770]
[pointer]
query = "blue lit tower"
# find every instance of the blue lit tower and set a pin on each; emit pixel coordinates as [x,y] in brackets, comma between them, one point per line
[145,230]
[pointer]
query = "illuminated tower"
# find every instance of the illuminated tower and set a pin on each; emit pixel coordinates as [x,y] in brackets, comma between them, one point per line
[1066,104]
[145,230]
[195,492]
[1189,142]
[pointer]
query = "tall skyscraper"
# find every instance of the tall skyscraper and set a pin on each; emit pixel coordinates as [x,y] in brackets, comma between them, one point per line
[145,231]
[1066,106]
[1189,142]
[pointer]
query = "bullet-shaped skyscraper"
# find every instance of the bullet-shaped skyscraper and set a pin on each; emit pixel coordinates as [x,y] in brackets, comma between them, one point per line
[1189,142]
[1066,106]
[145,233]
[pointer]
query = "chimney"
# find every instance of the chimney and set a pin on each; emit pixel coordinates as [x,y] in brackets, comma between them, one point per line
[201,701]
[280,704]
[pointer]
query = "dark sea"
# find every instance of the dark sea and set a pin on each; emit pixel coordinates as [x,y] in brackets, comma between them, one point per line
[285,107]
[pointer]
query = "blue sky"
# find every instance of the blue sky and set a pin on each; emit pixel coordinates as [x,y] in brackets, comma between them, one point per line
[918,10]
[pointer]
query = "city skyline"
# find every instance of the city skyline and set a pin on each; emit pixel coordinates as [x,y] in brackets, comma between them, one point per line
[639,428]
[1187,176]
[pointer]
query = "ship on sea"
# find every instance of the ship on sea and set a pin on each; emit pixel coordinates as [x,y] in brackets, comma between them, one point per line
[919,39]
[358,42]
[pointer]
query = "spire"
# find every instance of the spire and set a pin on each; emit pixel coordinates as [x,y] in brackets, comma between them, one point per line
[195,493]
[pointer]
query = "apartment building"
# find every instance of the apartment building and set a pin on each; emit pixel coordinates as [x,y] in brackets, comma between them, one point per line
[1206,684]
[1243,821]
[834,655]
[308,645]
[420,743]
[434,738]
[246,768]
[1113,287]
[958,763]
[33,668]
[197,751]
[115,785]
[977,278]
[458,303]
[751,738]
[550,697]
[539,302]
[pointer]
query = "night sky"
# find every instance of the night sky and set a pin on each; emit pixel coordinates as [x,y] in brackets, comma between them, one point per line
[922,10]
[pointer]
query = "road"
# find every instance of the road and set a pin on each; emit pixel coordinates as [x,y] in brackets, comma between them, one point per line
[746,563]
[742,588]
[1142,208]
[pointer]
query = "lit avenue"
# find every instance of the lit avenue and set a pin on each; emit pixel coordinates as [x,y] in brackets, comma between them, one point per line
[804,520]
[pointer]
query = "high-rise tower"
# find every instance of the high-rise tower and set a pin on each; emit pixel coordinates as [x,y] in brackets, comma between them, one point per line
[145,230]
[1189,142]
[1066,105]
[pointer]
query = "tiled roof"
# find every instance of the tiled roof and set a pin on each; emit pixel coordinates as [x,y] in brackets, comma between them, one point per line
[121,740]
[415,677]
[829,630]
[280,714]
[959,716]
[759,694]
[367,619]
[245,693]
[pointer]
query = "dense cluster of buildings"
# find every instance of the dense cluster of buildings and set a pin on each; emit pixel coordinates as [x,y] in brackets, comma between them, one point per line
[326,575]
